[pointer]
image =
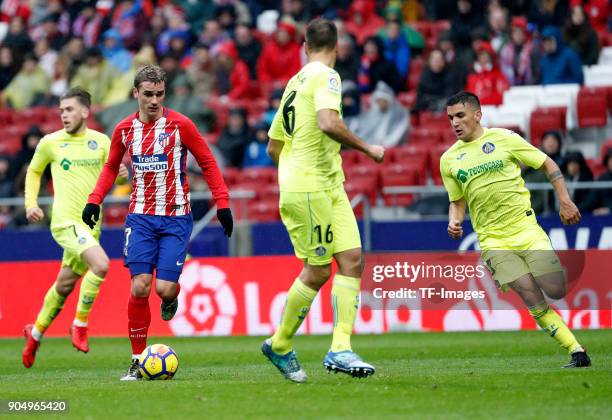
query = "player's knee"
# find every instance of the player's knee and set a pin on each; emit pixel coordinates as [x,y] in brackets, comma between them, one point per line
[101,266]
[141,287]
[64,288]
[351,263]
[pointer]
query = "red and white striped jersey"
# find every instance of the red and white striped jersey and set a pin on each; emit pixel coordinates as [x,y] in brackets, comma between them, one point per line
[158,151]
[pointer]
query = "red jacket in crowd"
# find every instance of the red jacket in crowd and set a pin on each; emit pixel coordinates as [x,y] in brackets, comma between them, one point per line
[279,62]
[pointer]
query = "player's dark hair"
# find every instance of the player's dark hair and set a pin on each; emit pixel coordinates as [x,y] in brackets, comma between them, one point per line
[464,98]
[150,73]
[321,34]
[81,95]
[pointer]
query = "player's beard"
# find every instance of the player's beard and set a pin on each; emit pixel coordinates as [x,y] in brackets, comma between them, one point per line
[76,128]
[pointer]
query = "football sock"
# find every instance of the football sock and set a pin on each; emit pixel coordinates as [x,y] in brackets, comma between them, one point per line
[90,287]
[297,305]
[345,302]
[553,324]
[52,305]
[139,319]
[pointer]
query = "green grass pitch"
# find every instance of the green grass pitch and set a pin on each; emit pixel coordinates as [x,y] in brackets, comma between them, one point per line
[419,375]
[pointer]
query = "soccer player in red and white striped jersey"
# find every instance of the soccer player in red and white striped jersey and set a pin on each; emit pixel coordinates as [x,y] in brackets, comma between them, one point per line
[159,222]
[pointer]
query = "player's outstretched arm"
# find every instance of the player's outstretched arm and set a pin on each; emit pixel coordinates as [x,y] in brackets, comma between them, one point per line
[568,212]
[331,124]
[274,149]
[34,214]
[456,215]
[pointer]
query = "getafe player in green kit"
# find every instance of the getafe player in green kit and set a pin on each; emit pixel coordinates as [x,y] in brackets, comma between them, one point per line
[76,155]
[305,139]
[481,173]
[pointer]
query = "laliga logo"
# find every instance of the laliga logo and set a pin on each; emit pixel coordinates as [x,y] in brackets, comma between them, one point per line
[206,303]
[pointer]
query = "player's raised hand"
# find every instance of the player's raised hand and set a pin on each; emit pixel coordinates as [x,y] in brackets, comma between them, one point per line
[569,213]
[455,230]
[34,214]
[226,220]
[123,171]
[91,214]
[376,153]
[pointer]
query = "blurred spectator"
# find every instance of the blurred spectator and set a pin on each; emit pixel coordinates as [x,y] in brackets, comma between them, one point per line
[213,35]
[17,39]
[374,67]
[598,12]
[171,65]
[226,15]
[498,28]
[114,52]
[196,12]
[487,81]
[6,182]
[280,58]
[296,10]
[88,25]
[129,19]
[351,104]
[363,22]
[396,47]
[27,86]
[49,30]
[581,37]
[467,19]
[347,59]
[59,80]
[234,138]
[6,216]
[46,56]
[415,39]
[181,99]
[8,68]
[176,28]
[387,121]
[256,154]
[249,48]
[95,75]
[599,201]
[201,73]
[551,145]
[157,26]
[68,12]
[29,141]
[544,201]
[518,59]
[74,51]
[575,169]
[121,88]
[435,85]
[232,76]
[543,13]
[275,100]
[457,64]
[558,63]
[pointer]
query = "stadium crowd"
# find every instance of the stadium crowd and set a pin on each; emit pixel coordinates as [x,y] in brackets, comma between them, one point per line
[227,61]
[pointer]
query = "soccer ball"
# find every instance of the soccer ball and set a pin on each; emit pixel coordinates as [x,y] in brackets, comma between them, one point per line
[158,362]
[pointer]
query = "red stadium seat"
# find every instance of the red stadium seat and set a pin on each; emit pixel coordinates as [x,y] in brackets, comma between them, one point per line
[349,157]
[422,26]
[263,211]
[231,175]
[610,99]
[366,186]
[256,187]
[604,148]
[115,214]
[258,175]
[591,106]
[424,135]
[369,172]
[407,99]
[415,157]
[10,145]
[544,119]
[434,119]
[399,174]
[6,116]
[434,162]
[596,166]
[270,193]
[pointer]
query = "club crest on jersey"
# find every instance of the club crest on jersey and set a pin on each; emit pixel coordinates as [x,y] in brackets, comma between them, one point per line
[92,144]
[333,85]
[150,163]
[488,147]
[163,139]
